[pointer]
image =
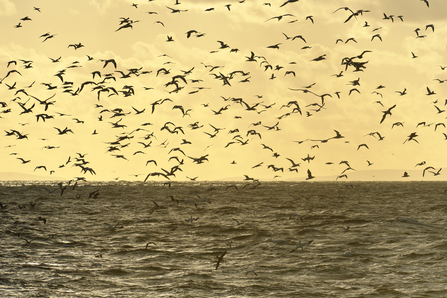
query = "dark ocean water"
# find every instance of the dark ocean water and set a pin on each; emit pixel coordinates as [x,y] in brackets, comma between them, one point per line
[395,246]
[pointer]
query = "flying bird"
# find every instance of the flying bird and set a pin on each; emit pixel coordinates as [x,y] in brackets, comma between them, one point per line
[386,113]
[430,92]
[23,161]
[280,17]
[310,18]
[362,145]
[376,35]
[107,61]
[288,1]
[220,259]
[412,137]
[275,46]
[176,10]
[301,245]
[309,175]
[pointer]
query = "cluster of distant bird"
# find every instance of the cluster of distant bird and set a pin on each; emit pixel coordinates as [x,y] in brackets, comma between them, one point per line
[107,84]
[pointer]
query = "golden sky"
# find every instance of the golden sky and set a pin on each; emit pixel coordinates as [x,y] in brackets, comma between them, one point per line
[273,113]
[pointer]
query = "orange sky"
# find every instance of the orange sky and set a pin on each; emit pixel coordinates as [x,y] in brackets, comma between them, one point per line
[257,102]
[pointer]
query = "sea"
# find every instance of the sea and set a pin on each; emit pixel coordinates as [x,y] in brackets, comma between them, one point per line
[223,239]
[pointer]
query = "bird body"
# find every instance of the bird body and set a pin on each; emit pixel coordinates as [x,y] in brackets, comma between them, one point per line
[220,259]
[301,245]
[387,113]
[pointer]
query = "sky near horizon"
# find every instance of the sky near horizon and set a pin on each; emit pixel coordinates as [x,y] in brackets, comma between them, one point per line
[274,113]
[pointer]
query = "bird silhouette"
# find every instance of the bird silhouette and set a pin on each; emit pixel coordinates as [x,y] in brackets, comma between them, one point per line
[220,259]
[309,175]
[387,113]
[376,36]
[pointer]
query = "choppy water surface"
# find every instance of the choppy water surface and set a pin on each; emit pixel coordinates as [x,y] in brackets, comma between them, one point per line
[395,245]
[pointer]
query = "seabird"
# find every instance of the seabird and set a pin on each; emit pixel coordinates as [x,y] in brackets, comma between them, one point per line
[251,271]
[220,259]
[301,245]
[237,222]
[192,219]
[112,227]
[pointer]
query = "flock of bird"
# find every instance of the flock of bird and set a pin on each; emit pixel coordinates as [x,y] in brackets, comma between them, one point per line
[168,126]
